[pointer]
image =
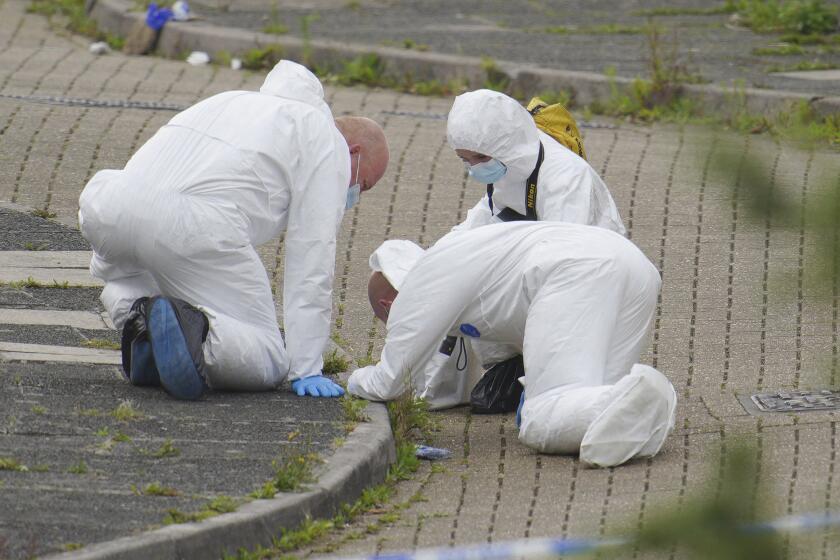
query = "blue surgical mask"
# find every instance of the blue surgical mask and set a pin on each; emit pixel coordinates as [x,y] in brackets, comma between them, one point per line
[353,194]
[488,171]
[355,191]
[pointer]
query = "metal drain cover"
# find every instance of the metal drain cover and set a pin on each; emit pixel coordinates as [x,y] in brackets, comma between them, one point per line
[797,401]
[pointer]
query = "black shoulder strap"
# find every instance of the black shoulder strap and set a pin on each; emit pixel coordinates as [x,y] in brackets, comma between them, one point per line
[531,188]
[508,215]
[511,215]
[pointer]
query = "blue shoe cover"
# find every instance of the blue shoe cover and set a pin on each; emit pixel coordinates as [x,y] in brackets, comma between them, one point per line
[179,374]
[143,369]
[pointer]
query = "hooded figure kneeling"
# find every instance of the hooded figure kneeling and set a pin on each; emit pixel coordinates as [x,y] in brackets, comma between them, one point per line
[174,235]
[577,301]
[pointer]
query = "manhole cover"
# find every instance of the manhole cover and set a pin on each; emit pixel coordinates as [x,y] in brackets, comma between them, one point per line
[797,401]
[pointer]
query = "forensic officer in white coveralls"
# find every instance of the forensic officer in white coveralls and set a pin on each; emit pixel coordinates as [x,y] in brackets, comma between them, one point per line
[576,301]
[174,236]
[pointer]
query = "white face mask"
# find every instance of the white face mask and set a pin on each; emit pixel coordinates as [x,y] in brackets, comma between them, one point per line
[355,191]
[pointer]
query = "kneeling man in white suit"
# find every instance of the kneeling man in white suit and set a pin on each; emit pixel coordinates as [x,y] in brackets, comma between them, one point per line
[576,300]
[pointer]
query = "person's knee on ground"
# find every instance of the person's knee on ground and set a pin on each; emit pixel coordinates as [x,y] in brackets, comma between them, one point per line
[606,425]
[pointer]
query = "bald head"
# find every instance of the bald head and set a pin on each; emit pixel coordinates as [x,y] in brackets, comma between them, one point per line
[367,142]
[381,295]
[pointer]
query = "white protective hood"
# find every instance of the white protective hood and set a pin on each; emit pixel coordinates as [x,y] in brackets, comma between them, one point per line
[493,124]
[394,259]
[291,80]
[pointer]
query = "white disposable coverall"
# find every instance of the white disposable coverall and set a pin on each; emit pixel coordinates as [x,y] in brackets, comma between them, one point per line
[576,300]
[568,190]
[184,215]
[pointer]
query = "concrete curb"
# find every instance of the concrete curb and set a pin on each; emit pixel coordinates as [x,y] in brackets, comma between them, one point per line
[361,462]
[179,38]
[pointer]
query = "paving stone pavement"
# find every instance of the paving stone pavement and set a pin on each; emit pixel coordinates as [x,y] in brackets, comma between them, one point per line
[738,312]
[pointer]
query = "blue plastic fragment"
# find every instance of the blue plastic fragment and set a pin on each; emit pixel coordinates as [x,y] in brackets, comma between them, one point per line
[156,17]
[432,453]
[469,330]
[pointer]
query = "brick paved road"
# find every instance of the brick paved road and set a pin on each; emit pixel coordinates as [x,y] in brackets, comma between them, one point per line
[723,327]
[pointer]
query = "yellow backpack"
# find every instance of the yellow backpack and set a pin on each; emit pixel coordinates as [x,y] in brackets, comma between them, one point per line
[558,123]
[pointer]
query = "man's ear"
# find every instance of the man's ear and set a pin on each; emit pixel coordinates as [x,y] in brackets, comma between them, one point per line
[354,149]
[386,304]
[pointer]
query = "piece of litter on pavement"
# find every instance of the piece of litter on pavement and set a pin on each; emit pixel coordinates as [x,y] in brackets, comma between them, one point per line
[181,11]
[100,47]
[431,453]
[197,58]
[236,63]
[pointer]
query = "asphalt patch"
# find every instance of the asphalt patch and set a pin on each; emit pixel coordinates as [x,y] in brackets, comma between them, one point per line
[86,464]
[72,299]
[25,232]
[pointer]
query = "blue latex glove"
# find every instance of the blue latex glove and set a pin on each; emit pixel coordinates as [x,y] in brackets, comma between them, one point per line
[316,386]
[519,410]
[156,17]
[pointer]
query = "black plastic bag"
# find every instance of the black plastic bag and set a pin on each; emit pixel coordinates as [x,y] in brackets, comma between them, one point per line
[499,390]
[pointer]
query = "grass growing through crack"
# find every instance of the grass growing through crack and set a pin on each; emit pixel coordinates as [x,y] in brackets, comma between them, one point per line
[290,474]
[44,213]
[126,412]
[409,419]
[335,363]
[216,506]
[157,489]
[11,464]
[166,449]
[30,282]
[79,468]
[101,344]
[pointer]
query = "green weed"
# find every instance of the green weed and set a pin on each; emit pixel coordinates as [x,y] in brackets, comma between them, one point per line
[354,408]
[335,363]
[10,464]
[292,473]
[79,468]
[805,65]
[494,78]
[103,432]
[157,489]
[89,412]
[811,39]
[274,26]
[30,282]
[38,409]
[216,506]
[121,437]
[166,449]
[366,360]
[407,462]
[36,246]
[806,17]
[262,59]
[410,417]
[101,343]
[367,69]
[126,412]
[306,33]
[71,546]
[44,213]
[412,45]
